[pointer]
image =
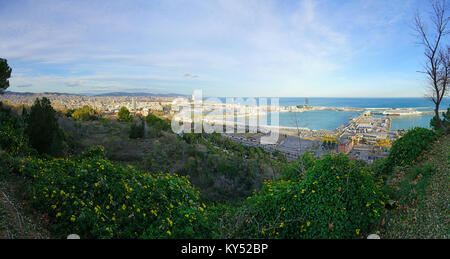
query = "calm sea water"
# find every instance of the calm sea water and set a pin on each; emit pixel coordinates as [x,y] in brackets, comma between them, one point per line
[329,120]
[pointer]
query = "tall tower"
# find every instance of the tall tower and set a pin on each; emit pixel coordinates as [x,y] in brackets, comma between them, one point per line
[133,103]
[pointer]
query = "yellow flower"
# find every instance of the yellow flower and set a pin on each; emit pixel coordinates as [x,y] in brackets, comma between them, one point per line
[170,222]
[357,231]
[58,214]
[308,223]
[313,191]
[281,224]
[168,232]
[303,191]
[73,218]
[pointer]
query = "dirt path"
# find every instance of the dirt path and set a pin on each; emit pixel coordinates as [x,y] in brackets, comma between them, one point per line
[14,224]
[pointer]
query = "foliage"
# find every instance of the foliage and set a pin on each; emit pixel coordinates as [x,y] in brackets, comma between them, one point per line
[137,131]
[12,137]
[445,120]
[97,199]
[221,173]
[421,193]
[336,199]
[409,147]
[43,130]
[124,115]
[85,113]
[296,170]
[5,74]
[157,125]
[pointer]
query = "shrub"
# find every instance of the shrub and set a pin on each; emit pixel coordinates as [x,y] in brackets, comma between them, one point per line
[124,115]
[12,136]
[445,120]
[93,152]
[96,199]
[296,170]
[85,113]
[336,199]
[409,147]
[43,129]
[137,131]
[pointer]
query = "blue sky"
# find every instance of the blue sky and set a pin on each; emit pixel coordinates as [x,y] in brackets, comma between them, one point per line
[323,48]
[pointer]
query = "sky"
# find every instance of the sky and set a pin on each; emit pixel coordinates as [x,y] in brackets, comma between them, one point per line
[251,48]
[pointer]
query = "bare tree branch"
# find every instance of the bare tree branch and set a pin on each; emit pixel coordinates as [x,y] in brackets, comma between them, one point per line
[437,65]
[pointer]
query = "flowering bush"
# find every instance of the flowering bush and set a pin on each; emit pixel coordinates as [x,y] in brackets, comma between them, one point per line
[336,199]
[297,169]
[97,199]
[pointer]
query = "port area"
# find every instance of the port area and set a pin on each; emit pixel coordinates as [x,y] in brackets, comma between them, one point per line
[365,137]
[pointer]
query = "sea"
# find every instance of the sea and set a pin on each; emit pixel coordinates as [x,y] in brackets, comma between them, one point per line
[329,120]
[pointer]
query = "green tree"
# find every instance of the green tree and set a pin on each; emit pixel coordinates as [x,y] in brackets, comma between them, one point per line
[5,74]
[43,129]
[137,131]
[85,113]
[124,114]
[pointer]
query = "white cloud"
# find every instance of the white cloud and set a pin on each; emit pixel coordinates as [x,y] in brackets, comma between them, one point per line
[233,44]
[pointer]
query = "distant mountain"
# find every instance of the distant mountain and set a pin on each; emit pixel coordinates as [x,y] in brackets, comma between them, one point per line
[113,94]
[30,93]
[138,94]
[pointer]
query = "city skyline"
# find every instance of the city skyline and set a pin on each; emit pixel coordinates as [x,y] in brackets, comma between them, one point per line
[226,48]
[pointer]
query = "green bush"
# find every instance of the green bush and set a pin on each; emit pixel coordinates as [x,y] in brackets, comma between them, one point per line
[137,131]
[43,130]
[157,125]
[296,170]
[124,115]
[96,199]
[409,147]
[445,120]
[85,113]
[336,199]
[12,136]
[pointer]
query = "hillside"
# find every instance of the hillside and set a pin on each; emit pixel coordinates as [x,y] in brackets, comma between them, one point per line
[423,191]
[206,186]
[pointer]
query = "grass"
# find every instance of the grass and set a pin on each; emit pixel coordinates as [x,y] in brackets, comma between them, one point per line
[422,192]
